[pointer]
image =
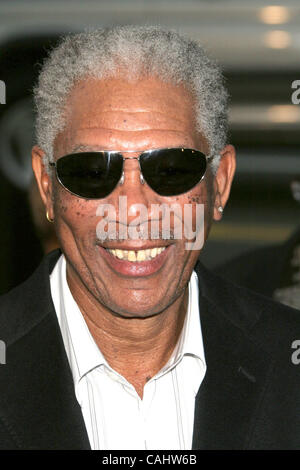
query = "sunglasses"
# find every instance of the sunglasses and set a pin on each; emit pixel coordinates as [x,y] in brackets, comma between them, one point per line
[94,175]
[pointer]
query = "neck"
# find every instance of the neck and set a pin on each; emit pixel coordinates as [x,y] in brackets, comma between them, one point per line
[137,348]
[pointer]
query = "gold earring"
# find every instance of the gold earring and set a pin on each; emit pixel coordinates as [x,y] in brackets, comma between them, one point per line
[48,218]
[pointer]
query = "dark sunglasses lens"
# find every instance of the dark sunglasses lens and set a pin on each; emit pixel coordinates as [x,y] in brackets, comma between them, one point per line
[170,172]
[90,175]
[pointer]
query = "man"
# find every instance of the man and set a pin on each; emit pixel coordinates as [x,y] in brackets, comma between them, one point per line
[274,270]
[105,349]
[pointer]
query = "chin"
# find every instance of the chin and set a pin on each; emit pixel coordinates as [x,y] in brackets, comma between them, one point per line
[135,310]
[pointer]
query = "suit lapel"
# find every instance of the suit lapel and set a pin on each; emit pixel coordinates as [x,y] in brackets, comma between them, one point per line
[236,377]
[41,409]
[37,401]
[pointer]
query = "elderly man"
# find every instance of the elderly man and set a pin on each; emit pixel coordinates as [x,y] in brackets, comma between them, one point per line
[105,348]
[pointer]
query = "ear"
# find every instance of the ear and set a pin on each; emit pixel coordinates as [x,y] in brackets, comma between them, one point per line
[223,179]
[43,179]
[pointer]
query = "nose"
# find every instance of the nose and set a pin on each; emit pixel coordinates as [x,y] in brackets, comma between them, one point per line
[133,187]
[138,209]
[123,174]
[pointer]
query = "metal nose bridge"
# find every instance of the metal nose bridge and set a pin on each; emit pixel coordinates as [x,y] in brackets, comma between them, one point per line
[132,158]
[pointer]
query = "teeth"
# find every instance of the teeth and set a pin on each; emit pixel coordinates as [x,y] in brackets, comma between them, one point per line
[119,254]
[131,256]
[140,255]
[153,252]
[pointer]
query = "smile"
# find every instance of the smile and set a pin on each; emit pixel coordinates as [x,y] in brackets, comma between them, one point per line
[137,256]
[137,262]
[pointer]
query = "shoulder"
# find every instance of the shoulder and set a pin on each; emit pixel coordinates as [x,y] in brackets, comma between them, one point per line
[25,306]
[264,320]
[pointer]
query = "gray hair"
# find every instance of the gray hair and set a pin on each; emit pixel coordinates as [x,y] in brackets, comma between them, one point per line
[139,50]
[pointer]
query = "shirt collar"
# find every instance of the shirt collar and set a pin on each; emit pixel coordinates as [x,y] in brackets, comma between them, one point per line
[190,342]
[82,351]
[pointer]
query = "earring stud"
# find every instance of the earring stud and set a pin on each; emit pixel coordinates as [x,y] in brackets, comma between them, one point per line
[49,218]
[220,209]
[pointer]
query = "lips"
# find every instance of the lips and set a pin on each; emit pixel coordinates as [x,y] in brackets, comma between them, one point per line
[136,263]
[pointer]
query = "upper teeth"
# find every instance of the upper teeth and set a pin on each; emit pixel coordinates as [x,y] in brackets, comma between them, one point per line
[139,255]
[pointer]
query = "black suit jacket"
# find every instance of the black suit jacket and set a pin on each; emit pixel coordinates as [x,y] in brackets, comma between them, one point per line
[249,399]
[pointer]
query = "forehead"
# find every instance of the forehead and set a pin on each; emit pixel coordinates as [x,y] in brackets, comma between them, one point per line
[117,94]
[130,111]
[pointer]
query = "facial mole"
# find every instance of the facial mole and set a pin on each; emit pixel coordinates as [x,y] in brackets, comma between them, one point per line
[196,199]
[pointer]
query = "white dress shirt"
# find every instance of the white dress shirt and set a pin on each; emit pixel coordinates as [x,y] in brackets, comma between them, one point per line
[114,414]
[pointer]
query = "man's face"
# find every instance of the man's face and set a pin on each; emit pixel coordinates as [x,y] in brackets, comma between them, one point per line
[117,115]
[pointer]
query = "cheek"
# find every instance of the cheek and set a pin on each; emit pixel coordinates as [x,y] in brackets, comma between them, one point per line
[197,202]
[197,207]
[75,217]
[195,199]
[201,194]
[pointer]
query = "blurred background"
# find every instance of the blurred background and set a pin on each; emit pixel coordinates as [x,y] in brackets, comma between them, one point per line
[258,44]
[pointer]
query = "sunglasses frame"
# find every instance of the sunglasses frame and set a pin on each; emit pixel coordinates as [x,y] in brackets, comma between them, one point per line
[121,180]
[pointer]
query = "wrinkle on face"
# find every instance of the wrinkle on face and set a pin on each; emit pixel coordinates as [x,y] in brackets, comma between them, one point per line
[133,112]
